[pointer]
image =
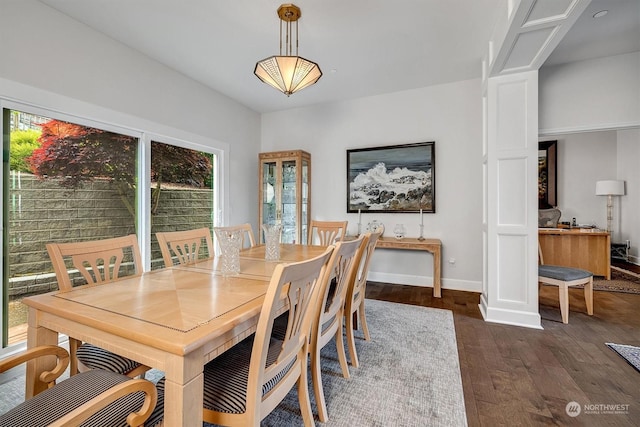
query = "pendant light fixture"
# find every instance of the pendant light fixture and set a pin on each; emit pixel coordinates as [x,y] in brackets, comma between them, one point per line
[288,73]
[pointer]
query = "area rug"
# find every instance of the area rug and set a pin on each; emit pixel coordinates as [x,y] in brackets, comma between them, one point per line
[630,353]
[409,375]
[621,281]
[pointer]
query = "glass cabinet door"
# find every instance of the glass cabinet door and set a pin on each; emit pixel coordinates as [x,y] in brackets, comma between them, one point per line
[284,194]
[269,201]
[289,202]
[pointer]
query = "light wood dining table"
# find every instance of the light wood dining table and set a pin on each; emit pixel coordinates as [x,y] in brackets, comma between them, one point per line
[175,320]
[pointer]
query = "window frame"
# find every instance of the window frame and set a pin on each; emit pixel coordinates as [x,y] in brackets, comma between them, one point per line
[39,102]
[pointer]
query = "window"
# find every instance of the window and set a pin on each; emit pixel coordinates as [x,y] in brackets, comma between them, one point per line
[69,179]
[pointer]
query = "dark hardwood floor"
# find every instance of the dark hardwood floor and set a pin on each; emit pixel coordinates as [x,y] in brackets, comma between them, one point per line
[515,376]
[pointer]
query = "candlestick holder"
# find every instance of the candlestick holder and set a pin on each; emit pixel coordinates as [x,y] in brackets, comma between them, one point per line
[421,231]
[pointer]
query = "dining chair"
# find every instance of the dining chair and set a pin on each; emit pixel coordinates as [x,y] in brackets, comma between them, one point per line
[97,262]
[328,232]
[96,397]
[185,246]
[328,323]
[248,239]
[245,383]
[354,302]
[563,278]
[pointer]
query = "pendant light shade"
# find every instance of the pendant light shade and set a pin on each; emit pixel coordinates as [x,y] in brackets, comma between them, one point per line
[288,73]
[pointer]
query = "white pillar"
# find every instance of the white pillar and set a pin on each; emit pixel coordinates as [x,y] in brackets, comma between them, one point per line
[510,291]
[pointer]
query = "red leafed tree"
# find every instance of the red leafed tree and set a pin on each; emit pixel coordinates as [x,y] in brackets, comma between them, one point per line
[77,154]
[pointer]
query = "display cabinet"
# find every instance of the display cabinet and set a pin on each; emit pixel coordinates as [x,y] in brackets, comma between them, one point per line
[285,193]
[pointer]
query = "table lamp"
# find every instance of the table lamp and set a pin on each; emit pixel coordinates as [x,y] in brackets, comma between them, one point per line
[609,188]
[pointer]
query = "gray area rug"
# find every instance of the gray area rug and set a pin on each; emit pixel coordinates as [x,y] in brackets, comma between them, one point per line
[628,352]
[409,375]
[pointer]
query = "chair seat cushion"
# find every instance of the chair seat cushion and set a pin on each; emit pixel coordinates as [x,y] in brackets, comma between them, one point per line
[225,377]
[566,274]
[67,395]
[94,357]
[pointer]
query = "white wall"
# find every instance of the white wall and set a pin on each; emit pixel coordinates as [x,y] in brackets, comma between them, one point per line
[583,159]
[450,115]
[52,59]
[629,171]
[601,93]
[576,101]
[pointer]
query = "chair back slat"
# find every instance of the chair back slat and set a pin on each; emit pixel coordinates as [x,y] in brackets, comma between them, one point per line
[359,281]
[185,246]
[98,261]
[328,232]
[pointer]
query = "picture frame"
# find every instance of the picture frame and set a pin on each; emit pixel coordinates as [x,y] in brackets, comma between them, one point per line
[392,178]
[547,174]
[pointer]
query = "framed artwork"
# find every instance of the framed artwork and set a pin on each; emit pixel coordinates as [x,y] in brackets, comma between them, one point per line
[394,178]
[547,174]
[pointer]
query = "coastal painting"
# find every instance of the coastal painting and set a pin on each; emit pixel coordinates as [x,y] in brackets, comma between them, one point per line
[394,178]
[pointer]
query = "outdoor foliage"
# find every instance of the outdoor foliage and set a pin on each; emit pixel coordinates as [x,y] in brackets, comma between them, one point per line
[23,142]
[76,154]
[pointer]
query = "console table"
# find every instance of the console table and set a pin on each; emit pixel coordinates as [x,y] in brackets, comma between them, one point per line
[580,248]
[412,244]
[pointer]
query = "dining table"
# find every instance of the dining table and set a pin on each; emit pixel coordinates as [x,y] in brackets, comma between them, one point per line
[174,319]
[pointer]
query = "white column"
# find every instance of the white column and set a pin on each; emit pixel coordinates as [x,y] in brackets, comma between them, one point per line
[510,291]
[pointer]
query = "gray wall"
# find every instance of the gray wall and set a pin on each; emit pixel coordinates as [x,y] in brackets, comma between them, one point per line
[41,212]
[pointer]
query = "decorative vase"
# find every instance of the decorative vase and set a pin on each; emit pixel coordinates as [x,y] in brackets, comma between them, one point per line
[375,226]
[272,241]
[230,244]
[399,231]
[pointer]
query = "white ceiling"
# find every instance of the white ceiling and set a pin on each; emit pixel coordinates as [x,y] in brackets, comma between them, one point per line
[363,47]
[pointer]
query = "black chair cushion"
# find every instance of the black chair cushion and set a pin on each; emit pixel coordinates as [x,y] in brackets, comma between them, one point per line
[566,274]
[94,357]
[225,377]
[67,395]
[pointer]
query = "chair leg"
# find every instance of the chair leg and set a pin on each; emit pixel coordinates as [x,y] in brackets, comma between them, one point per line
[342,356]
[316,377]
[563,291]
[588,296]
[73,360]
[351,342]
[303,396]
[363,320]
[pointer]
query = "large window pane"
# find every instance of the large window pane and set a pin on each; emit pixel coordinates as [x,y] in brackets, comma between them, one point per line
[182,192]
[64,182]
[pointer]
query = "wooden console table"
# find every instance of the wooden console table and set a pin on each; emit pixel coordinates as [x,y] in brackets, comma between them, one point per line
[586,249]
[413,244]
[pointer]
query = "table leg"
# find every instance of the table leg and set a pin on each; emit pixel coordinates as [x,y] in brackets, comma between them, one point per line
[436,274]
[184,384]
[37,336]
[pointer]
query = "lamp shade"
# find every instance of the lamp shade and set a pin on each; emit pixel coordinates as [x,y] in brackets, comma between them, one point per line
[288,74]
[610,188]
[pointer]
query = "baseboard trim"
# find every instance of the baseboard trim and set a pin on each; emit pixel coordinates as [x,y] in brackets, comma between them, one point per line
[509,317]
[425,281]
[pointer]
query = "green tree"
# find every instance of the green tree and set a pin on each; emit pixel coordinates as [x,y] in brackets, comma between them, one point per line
[23,143]
[77,154]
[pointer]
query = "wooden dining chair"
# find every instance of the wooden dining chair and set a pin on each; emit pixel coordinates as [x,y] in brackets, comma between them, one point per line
[563,278]
[96,396]
[185,246]
[354,302]
[245,383]
[330,314]
[97,262]
[328,232]
[248,239]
